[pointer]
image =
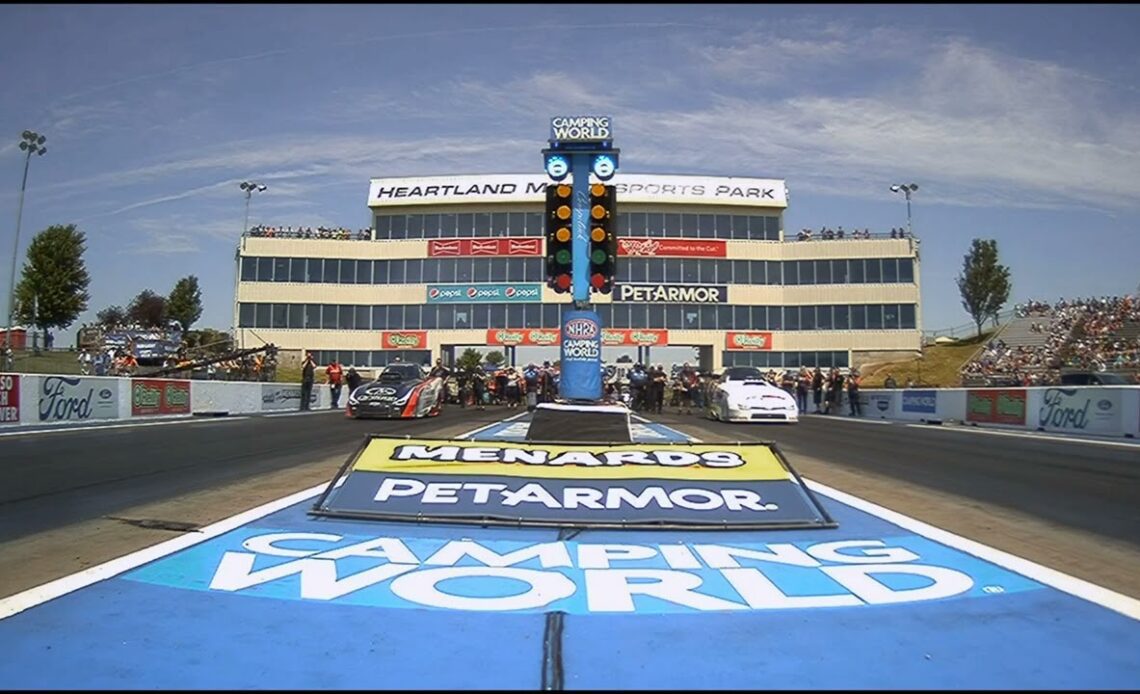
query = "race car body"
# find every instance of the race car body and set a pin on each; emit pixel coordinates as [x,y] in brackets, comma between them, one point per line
[400,391]
[742,394]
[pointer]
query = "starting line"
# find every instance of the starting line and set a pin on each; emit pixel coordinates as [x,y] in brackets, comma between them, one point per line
[276,598]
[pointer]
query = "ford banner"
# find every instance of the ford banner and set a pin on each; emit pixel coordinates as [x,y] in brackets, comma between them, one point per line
[1080,410]
[67,399]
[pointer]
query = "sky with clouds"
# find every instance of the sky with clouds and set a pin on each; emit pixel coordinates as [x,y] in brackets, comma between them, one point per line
[1020,123]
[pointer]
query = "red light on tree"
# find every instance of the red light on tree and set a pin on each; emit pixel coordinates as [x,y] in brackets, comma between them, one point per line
[598,280]
[563,281]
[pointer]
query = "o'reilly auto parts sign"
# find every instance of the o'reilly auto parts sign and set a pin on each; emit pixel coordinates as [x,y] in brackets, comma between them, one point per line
[673,293]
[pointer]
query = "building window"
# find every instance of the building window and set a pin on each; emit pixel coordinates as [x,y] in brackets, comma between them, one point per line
[447,224]
[906,316]
[411,317]
[855,271]
[673,225]
[396,317]
[841,317]
[296,318]
[906,270]
[431,226]
[395,272]
[483,224]
[430,270]
[428,318]
[534,225]
[415,226]
[399,227]
[297,269]
[446,270]
[858,316]
[363,313]
[245,315]
[465,224]
[823,317]
[890,270]
[312,316]
[332,271]
[463,270]
[873,270]
[383,224]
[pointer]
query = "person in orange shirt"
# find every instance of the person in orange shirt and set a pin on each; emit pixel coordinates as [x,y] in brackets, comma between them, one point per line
[335,375]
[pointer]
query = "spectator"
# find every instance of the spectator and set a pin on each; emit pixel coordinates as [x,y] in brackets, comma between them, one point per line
[308,372]
[889,382]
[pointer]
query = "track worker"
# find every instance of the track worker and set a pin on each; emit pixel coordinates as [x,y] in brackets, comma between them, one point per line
[334,374]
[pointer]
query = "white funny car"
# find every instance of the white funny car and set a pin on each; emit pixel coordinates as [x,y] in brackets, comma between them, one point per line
[742,394]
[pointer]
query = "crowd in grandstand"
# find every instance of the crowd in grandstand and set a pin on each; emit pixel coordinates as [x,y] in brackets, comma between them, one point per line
[1095,334]
[289,232]
[827,234]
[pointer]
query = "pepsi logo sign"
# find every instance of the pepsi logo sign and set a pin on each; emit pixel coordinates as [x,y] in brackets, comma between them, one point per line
[511,291]
[471,292]
[433,293]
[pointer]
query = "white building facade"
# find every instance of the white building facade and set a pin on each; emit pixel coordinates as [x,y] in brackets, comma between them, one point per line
[703,262]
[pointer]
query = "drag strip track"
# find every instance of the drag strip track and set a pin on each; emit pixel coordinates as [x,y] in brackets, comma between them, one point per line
[57,478]
[1077,484]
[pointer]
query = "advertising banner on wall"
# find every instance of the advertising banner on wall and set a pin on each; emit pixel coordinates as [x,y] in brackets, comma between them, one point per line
[444,248]
[1081,410]
[877,404]
[282,396]
[996,406]
[581,356]
[75,399]
[159,396]
[9,398]
[482,293]
[682,248]
[616,337]
[626,484]
[533,337]
[920,401]
[672,293]
[404,339]
[748,341]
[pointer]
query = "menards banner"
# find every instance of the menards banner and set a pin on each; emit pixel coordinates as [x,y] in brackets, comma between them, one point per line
[629,485]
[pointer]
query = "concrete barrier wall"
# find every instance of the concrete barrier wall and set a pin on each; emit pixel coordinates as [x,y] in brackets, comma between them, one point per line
[27,399]
[1098,410]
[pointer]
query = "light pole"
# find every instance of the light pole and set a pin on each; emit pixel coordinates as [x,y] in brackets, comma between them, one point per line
[31,143]
[249,187]
[906,189]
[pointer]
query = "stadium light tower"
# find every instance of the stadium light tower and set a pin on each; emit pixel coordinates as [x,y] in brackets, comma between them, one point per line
[31,143]
[906,189]
[249,187]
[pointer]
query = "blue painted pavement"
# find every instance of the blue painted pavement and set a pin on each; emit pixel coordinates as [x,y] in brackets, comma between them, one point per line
[292,601]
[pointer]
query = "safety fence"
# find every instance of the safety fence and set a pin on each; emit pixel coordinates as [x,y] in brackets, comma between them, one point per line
[45,399]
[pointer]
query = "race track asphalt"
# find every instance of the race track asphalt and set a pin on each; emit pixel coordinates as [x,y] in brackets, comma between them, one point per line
[1089,487]
[51,480]
[54,479]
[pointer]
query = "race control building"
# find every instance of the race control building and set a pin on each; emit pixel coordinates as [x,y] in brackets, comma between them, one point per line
[703,261]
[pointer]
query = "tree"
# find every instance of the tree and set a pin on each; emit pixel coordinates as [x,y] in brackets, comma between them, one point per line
[984,283]
[470,360]
[208,341]
[185,302]
[495,358]
[53,285]
[111,316]
[147,309]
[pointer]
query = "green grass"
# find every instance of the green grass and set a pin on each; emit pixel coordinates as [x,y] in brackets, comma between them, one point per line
[939,366]
[55,362]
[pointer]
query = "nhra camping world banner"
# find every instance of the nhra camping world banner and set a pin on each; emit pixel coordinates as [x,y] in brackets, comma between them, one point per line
[626,485]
